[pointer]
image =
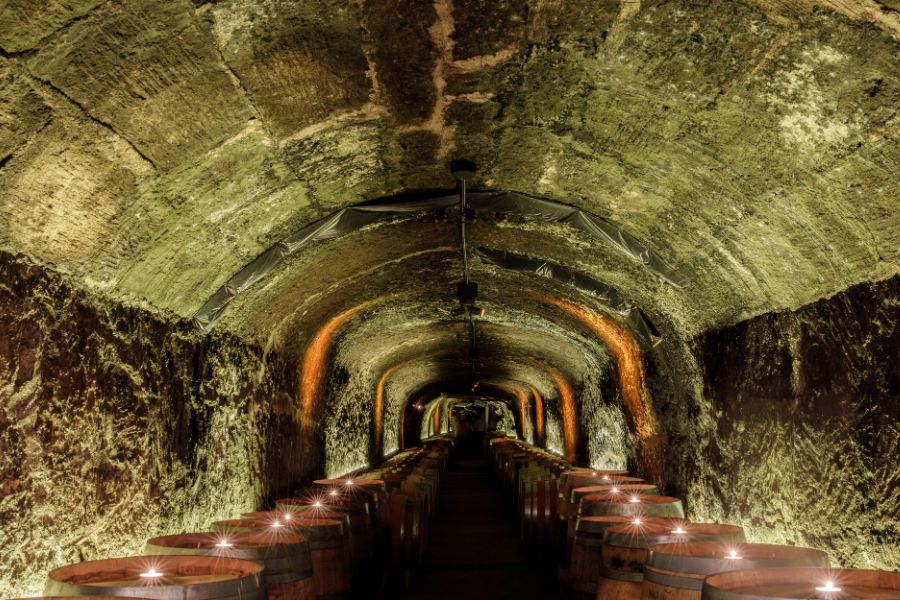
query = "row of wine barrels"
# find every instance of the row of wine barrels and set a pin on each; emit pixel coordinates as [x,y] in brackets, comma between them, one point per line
[625,549]
[622,540]
[412,484]
[286,557]
[327,539]
[676,571]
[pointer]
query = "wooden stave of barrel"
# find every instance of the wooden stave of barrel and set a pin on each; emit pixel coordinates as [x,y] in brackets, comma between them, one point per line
[286,557]
[801,583]
[328,545]
[676,571]
[244,579]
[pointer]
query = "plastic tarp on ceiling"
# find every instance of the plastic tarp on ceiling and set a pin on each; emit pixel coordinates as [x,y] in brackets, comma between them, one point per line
[608,295]
[353,218]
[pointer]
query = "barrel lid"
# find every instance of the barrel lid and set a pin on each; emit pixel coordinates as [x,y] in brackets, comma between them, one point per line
[129,573]
[802,583]
[705,558]
[208,540]
[650,532]
[634,488]
[598,524]
[350,482]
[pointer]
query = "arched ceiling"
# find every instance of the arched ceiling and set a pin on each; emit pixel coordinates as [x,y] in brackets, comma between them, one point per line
[152,149]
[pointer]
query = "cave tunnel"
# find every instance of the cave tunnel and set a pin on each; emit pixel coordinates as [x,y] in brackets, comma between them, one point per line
[236,236]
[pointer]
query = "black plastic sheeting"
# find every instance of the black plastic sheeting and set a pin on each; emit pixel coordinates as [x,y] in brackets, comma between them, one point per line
[610,297]
[351,219]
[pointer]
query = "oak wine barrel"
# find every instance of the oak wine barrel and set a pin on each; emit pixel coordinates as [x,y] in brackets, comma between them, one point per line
[161,577]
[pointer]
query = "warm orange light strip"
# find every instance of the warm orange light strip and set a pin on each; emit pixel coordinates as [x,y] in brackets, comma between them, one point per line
[628,361]
[567,409]
[379,408]
[538,416]
[314,364]
[379,398]
[437,419]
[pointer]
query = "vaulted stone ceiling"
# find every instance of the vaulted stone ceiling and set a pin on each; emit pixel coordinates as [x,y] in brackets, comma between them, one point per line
[153,149]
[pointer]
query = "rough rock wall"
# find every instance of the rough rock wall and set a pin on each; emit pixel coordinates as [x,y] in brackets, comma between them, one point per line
[116,426]
[798,437]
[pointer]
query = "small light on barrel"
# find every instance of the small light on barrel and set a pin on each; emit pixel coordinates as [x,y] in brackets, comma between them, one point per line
[606,477]
[334,492]
[615,490]
[637,521]
[733,555]
[679,531]
[224,543]
[634,499]
[829,587]
[152,573]
[318,504]
[277,523]
[349,482]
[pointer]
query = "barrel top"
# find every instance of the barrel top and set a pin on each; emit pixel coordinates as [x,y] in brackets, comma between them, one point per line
[605,489]
[745,551]
[253,523]
[212,540]
[802,583]
[131,571]
[657,526]
[314,522]
[623,498]
[351,481]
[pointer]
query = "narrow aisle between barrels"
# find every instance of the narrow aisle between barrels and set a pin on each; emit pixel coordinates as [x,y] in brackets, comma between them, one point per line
[474,550]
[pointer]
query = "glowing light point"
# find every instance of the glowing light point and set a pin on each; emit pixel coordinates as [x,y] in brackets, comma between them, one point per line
[679,530]
[733,555]
[634,499]
[349,482]
[828,587]
[615,490]
[593,473]
[151,573]
[637,521]
[334,492]
[224,543]
[318,504]
[277,523]
[606,477]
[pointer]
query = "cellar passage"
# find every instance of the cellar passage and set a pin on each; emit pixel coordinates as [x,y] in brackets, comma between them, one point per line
[231,257]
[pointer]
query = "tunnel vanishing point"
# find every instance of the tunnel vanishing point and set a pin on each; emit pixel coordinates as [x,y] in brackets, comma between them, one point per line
[231,255]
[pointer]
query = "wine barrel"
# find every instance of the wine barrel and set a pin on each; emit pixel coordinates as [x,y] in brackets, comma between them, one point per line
[328,547]
[676,571]
[585,561]
[797,583]
[161,577]
[625,549]
[376,489]
[358,514]
[286,558]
